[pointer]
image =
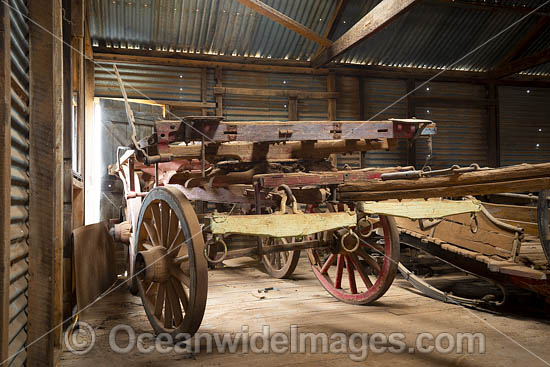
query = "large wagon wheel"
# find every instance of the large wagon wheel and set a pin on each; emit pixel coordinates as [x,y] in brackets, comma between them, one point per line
[362,276]
[170,268]
[280,264]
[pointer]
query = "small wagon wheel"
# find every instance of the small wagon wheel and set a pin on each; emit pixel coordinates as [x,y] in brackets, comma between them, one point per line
[170,268]
[362,276]
[280,264]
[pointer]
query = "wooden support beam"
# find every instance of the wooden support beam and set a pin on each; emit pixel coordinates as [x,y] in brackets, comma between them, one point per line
[362,111]
[382,14]
[292,67]
[411,112]
[540,26]
[5,178]
[292,109]
[46,182]
[203,90]
[275,93]
[285,21]
[219,97]
[525,63]
[331,113]
[493,127]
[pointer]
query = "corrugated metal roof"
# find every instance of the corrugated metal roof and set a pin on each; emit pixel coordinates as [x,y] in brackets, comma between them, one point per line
[428,36]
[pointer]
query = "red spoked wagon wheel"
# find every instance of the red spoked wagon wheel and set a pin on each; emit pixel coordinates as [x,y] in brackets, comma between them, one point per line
[364,275]
[280,264]
[170,268]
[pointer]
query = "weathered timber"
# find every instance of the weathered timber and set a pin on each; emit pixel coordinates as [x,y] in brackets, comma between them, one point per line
[46,182]
[271,131]
[261,152]
[534,184]
[382,14]
[285,21]
[275,93]
[524,63]
[517,172]
[419,208]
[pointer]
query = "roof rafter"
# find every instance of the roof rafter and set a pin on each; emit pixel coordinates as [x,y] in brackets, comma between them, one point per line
[375,20]
[488,7]
[524,63]
[285,21]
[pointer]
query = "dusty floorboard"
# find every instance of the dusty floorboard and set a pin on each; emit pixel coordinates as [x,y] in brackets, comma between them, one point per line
[233,302]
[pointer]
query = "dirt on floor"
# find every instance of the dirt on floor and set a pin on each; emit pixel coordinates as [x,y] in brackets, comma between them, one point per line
[403,328]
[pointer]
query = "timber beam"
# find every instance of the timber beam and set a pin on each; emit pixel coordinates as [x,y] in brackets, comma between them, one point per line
[285,21]
[375,20]
[524,63]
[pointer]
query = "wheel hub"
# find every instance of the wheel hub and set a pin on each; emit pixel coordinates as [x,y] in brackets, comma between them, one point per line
[153,264]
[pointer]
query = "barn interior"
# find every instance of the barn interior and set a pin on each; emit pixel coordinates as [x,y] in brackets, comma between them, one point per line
[313,182]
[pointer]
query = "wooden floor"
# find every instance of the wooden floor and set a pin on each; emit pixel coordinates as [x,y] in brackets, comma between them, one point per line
[234,301]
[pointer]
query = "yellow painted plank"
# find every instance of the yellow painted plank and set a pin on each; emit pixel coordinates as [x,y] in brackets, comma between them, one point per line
[418,209]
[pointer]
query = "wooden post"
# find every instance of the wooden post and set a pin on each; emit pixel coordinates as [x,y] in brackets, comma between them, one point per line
[493,127]
[5,178]
[89,93]
[411,112]
[219,97]
[292,109]
[46,182]
[331,87]
[362,111]
[203,90]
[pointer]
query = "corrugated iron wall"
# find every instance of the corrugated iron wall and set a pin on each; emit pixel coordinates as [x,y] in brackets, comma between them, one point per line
[524,125]
[19,244]
[244,108]
[381,100]
[461,132]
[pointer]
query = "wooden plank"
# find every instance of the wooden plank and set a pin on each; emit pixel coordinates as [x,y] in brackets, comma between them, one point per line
[379,17]
[293,67]
[419,208]
[46,180]
[331,88]
[270,131]
[285,21]
[203,91]
[275,93]
[516,172]
[5,178]
[484,242]
[219,98]
[512,212]
[292,109]
[527,62]
[534,184]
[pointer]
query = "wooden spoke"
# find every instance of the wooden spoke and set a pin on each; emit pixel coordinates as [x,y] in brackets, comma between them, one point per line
[285,256]
[181,259]
[151,290]
[351,276]
[372,263]
[328,263]
[165,223]
[278,260]
[361,270]
[152,232]
[155,209]
[174,302]
[374,246]
[339,271]
[159,303]
[178,240]
[181,293]
[177,273]
[168,316]
[173,228]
